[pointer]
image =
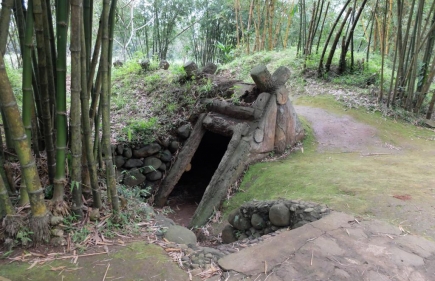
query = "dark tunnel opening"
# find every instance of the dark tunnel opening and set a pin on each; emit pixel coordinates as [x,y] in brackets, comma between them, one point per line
[190,188]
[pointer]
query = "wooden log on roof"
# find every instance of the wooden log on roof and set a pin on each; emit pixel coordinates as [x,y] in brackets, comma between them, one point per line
[226,108]
[262,78]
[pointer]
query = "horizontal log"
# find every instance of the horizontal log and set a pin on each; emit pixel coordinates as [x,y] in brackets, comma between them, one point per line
[220,124]
[226,108]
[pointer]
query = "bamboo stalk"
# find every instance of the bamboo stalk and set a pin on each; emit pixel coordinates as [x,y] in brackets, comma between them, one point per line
[61,114]
[75,124]
[39,220]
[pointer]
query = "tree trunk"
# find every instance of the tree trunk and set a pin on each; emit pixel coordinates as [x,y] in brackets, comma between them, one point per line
[320,68]
[337,38]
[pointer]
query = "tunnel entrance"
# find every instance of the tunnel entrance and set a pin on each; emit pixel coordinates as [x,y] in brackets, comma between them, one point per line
[190,188]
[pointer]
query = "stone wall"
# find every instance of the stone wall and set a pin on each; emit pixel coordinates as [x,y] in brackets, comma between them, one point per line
[257,218]
[146,165]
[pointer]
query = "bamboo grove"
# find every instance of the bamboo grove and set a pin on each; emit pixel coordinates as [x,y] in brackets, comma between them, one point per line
[46,137]
[331,32]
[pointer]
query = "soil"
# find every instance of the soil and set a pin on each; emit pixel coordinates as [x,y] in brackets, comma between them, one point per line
[342,133]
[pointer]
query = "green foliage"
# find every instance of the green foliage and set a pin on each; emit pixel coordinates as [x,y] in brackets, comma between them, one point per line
[130,67]
[141,130]
[15,78]
[80,234]
[227,52]
[134,192]
[23,236]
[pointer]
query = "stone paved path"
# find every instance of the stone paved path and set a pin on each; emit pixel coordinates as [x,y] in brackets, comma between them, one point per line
[336,247]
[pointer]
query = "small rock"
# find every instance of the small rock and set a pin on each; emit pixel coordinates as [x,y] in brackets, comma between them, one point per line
[308,210]
[238,221]
[184,131]
[151,164]
[164,64]
[209,68]
[257,221]
[174,146]
[94,215]
[117,64]
[57,232]
[133,163]
[166,156]
[58,241]
[119,161]
[228,235]
[134,177]
[279,215]
[145,64]
[242,236]
[127,153]
[162,167]
[154,176]
[56,220]
[180,235]
[147,150]
[119,149]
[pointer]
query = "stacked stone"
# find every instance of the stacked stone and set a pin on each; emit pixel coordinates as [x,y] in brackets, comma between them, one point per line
[145,166]
[257,218]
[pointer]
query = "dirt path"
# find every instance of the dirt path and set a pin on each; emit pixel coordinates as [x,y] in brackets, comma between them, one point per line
[342,133]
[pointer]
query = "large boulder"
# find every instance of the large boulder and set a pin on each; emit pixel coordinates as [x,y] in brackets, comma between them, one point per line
[147,150]
[134,178]
[180,235]
[279,215]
